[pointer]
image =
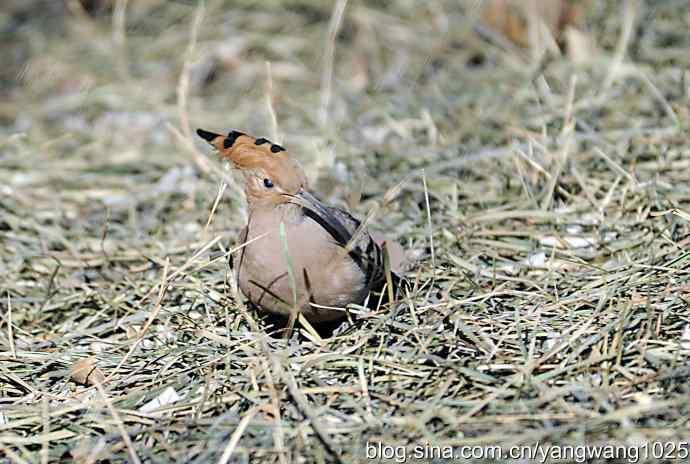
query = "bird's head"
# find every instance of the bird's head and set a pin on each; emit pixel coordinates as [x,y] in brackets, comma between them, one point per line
[271,176]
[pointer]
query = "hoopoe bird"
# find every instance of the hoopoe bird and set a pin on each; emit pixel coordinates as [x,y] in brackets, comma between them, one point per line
[321,261]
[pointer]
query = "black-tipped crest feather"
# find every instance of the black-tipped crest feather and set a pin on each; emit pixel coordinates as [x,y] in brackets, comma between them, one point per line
[206,135]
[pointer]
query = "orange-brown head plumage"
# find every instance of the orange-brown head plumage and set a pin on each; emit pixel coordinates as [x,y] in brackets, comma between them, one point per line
[271,175]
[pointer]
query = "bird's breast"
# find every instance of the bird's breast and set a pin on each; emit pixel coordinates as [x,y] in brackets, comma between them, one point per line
[321,272]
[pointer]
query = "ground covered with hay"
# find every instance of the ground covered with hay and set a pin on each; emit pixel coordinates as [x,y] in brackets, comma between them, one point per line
[544,198]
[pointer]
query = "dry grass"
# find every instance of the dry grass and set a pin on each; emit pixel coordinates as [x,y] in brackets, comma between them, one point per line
[558,193]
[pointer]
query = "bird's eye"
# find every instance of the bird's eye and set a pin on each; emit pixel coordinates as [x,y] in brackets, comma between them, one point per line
[268,183]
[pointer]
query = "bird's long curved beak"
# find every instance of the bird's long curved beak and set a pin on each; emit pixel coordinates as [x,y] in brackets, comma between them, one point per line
[319,213]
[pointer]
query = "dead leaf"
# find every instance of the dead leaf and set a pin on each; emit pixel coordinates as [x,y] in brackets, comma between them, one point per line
[86,372]
[522,21]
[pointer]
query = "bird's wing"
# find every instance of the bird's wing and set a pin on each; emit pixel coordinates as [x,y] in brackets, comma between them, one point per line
[340,224]
[366,252]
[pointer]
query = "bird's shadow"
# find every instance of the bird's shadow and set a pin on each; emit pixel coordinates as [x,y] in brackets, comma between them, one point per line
[276,325]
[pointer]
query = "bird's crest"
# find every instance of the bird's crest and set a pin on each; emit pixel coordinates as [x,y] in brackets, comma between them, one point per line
[243,149]
[248,154]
